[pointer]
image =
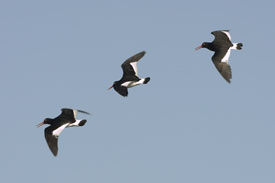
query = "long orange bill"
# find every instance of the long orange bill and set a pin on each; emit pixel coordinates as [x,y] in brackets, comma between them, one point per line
[40,124]
[199,47]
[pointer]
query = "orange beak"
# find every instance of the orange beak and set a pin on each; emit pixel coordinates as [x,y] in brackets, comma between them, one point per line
[199,47]
[40,124]
[111,87]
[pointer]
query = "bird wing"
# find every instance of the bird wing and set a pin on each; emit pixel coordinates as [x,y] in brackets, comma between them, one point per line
[227,34]
[84,112]
[222,64]
[121,90]
[70,114]
[221,36]
[67,114]
[226,56]
[51,140]
[129,66]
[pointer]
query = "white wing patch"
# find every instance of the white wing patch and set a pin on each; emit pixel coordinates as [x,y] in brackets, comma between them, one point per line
[226,56]
[57,131]
[129,84]
[76,123]
[126,84]
[228,35]
[134,65]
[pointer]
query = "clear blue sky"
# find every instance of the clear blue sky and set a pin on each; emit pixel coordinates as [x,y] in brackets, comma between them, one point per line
[186,125]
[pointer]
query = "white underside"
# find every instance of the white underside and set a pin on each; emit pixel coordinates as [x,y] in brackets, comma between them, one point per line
[234,47]
[76,123]
[227,55]
[130,84]
[58,131]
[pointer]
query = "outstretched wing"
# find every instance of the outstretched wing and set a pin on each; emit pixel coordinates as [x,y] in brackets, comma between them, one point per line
[221,36]
[70,114]
[129,67]
[222,64]
[51,140]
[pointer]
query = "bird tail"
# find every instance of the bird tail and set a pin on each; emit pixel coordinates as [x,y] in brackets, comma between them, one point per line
[237,46]
[146,80]
[78,122]
[82,122]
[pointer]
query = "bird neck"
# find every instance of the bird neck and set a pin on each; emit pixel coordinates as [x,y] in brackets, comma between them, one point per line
[117,83]
[209,46]
[49,121]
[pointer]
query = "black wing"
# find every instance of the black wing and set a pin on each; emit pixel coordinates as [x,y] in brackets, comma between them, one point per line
[223,67]
[70,114]
[84,112]
[51,140]
[127,67]
[221,37]
[67,114]
[121,90]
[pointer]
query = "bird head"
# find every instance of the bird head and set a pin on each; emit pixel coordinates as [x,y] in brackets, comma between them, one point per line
[46,121]
[114,84]
[203,45]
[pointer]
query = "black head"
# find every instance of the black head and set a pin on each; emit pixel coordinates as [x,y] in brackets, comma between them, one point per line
[46,121]
[203,45]
[114,84]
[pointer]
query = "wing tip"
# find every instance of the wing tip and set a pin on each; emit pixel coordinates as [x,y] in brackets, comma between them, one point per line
[77,110]
[84,112]
[228,81]
[55,154]
[226,30]
[213,32]
[141,54]
[144,52]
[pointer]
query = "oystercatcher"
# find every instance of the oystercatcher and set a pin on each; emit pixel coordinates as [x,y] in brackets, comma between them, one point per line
[130,75]
[66,119]
[222,47]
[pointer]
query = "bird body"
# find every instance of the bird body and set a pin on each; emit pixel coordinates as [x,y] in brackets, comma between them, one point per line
[222,47]
[66,119]
[130,75]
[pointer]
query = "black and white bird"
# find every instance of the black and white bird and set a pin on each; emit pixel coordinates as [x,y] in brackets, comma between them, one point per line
[222,47]
[66,119]
[130,75]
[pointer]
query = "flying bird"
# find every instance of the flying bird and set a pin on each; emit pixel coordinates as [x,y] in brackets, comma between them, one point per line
[130,75]
[222,47]
[66,119]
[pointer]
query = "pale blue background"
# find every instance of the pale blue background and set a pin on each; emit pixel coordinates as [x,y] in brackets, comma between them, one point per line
[186,125]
